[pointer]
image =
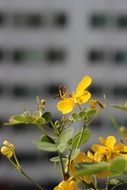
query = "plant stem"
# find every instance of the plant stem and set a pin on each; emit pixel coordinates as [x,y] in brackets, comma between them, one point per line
[31,180]
[20,170]
[61,164]
[107,183]
[113,188]
[95,182]
[69,161]
[80,138]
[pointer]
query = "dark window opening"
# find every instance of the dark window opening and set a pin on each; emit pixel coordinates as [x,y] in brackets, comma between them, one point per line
[2,19]
[98,20]
[34,20]
[18,55]
[27,157]
[120,56]
[122,21]
[60,20]
[1,55]
[25,91]
[96,90]
[96,55]
[120,91]
[51,90]
[55,55]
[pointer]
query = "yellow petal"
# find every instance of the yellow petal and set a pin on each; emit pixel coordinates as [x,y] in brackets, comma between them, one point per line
[58,188]
[80,157]
[84,98]
[110,142]
[102,140]
[66,105]
[4,150]
[83,84]
[99,148]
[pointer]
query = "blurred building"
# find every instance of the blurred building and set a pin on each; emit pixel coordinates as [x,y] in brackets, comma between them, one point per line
[45,43]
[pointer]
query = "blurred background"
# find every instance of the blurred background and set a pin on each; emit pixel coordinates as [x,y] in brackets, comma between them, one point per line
[46,43]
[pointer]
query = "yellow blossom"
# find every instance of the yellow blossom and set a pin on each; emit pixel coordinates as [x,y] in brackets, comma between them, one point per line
[90,158]
[110,148]
[81,96]
[69,184]
[7,149]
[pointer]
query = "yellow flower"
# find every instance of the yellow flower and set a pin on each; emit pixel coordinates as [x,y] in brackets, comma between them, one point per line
[110,148]
[67,185]
[81,96]
[7,149]
[90,158]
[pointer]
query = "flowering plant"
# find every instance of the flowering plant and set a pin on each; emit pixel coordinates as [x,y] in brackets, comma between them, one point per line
[80,170]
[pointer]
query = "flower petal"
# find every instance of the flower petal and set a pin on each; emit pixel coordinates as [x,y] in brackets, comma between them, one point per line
[110,142]
[99,148]
[84,98]
[66,105]
[83,84]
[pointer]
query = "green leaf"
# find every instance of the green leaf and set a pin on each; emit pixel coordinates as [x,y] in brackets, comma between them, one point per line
[91,112]
[47,116]
[75,116]
[82,114]
[91,168]
[40,121]
[57,159]
[64,138]
[85,137]
[46,144]
[74,153]
[121,107]
[118,165]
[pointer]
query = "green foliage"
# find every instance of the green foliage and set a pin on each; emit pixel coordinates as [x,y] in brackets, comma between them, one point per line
[86,168]
[36,118]
[118,165]
[47,117]
[46,144]
[80,138]
[121,107]
[63,139]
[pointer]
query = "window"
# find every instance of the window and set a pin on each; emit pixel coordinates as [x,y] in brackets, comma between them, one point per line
[96,90]
[27,157]
[2,19]
[25,91]
[98,20]
[120,91]
[122,21]
[52,89]
[34,20]
[95,55]
[55,55]
[22,55]
[60,20]
[120,56]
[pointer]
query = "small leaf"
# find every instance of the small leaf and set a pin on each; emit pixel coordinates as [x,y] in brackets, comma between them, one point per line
[57,159]
[64,138]
[47,116]
[46,144]
[114,181]
[82,114]
[91,112]
[121,107]
[91,168]
[45,138]
[85,137]
[118,165]
[75,116]
[74,153]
